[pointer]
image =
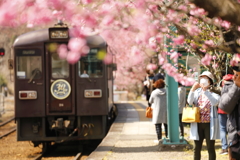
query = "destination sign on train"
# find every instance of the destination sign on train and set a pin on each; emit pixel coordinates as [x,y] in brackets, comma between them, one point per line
[58,33]
[28,52]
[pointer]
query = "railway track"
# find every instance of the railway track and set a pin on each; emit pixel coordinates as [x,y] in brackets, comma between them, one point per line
[7,127]
[77,157]
[70,151]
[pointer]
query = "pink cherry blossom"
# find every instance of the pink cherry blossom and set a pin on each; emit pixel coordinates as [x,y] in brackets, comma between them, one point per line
[174,56]
[161,60]
[194,46]
[198,12]
[183,7]
[189,82]
[108,19]
[73,57]
[108,59]
[215,65]
[134,31]
[210,43]
[226,24]
[84,50]
[86,1]
[193,30]
[179,40]
[62,51]
[202,50]
[151,66]
[207,59]
[75,44]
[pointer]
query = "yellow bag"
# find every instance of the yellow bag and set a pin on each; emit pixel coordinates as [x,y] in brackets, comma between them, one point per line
[149,112]
[191,114]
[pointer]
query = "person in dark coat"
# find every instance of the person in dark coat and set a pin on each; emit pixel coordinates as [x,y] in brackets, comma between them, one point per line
[222,116]
[148,85]
[158,76]
[230,103]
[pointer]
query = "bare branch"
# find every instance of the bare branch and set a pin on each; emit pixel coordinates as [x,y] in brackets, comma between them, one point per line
[225,9]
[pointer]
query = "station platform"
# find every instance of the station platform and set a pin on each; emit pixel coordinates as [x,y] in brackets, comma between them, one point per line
[132,136]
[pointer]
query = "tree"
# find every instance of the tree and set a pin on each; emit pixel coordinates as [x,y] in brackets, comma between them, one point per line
[136,30]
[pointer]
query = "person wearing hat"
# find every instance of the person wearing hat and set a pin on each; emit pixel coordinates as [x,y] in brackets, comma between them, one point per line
[208,127]
[230,103]
[222,116]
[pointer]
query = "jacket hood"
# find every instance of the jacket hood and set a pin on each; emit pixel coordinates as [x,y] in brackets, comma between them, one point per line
[228,82]
[161,91]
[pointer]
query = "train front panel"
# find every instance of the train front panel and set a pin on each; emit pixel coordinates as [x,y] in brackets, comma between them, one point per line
[57,101]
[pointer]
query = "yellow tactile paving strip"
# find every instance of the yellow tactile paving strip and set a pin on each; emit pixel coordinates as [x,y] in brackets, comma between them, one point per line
[141,111]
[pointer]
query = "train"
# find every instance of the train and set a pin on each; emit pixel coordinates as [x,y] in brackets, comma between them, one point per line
[56,101]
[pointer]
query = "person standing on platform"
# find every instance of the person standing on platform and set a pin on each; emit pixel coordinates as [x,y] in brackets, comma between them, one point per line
[230,103]
[181,104]
[148,85]
[159,106]
[208,127]
[222,116]
[158,76]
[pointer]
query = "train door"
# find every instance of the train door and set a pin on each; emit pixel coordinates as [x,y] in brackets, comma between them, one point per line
[29,82]
[91,85]
[59,83]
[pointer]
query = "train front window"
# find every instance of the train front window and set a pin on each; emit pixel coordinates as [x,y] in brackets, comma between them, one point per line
[90,66]
[60,67]
[29,67]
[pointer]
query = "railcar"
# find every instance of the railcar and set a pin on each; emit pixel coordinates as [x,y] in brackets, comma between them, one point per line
[56,101]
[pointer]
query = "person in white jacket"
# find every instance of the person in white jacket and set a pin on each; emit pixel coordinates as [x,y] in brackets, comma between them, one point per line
[208,128]
[159,106]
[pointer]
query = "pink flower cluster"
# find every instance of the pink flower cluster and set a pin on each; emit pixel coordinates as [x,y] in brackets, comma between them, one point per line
[206,60]
[134,30]
[173,72]
[179,40]
[77,48]
[209,43]
[234,61]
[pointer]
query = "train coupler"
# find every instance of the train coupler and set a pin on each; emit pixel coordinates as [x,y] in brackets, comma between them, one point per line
[60,123]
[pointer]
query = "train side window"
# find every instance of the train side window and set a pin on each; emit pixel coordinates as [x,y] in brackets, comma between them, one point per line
[60,67]
[29,67]
[90,66]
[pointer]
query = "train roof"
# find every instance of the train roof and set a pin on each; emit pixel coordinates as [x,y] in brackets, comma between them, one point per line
[42,35]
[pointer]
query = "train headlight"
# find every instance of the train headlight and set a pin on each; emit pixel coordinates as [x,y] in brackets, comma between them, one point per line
[93,93]
[27,94]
